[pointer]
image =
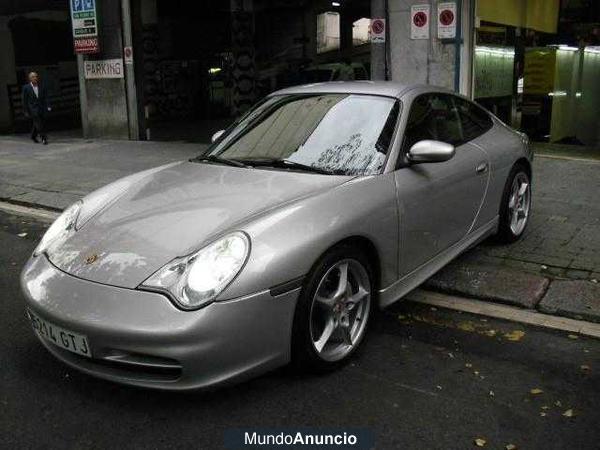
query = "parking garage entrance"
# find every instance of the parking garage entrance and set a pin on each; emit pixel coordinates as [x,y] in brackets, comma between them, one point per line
[201,64]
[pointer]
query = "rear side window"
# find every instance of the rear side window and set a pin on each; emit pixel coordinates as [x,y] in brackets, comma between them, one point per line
[474,120]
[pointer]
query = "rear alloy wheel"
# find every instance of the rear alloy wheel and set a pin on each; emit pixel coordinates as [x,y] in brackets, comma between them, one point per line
[333,311]
[516,206]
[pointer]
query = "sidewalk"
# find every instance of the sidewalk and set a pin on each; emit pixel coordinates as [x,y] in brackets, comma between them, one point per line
[56,175]
[555,268]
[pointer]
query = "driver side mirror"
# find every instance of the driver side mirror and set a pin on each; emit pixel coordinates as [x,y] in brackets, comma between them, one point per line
[428,151]
[216,136]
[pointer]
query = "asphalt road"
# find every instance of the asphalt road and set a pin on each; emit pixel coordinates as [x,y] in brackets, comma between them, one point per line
[425,379]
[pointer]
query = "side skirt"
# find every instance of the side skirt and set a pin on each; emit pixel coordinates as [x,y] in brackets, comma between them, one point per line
[407,283]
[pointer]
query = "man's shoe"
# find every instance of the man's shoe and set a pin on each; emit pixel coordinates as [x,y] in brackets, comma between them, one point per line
[35,139]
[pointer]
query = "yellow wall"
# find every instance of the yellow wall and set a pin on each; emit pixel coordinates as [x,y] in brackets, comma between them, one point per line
[540,15]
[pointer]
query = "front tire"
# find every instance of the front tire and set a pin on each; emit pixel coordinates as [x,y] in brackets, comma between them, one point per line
[515,208]
[333,310]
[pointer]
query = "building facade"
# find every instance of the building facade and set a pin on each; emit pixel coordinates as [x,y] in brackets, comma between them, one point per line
[178,69]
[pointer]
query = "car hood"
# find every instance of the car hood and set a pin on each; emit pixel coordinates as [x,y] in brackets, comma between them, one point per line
[172,212]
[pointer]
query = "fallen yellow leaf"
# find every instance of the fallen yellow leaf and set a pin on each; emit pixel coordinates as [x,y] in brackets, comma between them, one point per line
[536,391]
[510,447]
[573,336]
[466,326]
[584,367]
[569,413]
[480,442]
[545,407]
[558,403]
[515,335]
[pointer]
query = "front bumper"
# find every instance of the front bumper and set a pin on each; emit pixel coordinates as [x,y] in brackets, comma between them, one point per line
[141,338]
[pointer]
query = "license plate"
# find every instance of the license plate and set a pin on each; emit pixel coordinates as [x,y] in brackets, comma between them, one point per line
[73,342]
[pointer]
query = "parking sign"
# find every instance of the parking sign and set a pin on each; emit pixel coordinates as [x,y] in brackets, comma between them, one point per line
[85,26]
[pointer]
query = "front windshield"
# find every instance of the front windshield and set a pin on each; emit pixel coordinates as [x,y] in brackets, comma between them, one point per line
[344,134]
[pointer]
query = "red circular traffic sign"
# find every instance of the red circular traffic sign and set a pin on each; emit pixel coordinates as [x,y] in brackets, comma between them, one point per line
[420,19]
[378,26]
[446,17]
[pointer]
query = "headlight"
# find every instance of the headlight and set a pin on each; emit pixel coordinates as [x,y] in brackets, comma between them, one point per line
[60,229]
[195,280]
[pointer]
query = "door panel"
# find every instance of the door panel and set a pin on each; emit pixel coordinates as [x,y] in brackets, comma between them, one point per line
[438,203]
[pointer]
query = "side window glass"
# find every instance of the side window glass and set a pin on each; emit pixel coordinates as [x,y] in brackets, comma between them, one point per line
[432,116]
[446,121]
[418,125]
[474,120]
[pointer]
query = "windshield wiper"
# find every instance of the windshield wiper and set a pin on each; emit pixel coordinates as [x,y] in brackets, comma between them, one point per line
[285,164]
[219,160]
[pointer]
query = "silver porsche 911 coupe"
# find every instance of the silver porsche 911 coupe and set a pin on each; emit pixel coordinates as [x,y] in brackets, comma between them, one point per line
[276,245]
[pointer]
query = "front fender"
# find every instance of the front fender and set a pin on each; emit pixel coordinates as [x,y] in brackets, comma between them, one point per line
[287,242]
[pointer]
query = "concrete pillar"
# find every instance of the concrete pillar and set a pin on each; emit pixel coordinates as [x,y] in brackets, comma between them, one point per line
[428,61]
[7,72]
[467,11]
[130,84]
[106,115]
[244,66]
[145,23]
[346,45]
[83,107]
[310,33]
[378,51]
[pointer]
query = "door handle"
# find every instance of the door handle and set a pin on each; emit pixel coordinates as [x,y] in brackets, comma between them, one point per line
[482,167]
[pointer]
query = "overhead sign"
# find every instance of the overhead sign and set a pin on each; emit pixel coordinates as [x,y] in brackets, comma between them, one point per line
[85,26]
[539,71]
[378,31]
[446,23]
[106,68]
[419,21]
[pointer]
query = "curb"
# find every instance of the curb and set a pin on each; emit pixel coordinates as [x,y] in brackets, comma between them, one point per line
[27,209]
[513,314]
[566,158]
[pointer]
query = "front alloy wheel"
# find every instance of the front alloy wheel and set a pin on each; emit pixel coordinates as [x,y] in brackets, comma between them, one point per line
[340,310]
[333,310]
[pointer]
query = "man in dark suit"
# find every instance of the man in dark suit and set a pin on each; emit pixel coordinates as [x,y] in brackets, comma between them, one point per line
[35,106]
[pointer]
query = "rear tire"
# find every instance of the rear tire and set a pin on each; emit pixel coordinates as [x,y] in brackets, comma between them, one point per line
[333,310]
[515,208]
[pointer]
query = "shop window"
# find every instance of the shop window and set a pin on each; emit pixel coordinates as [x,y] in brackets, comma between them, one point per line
[328,32]
[360,31]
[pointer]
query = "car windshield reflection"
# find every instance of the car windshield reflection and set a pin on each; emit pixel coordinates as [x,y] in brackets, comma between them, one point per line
[326,133]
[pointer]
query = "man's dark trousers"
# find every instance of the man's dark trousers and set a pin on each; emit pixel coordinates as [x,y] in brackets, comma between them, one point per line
[35,107]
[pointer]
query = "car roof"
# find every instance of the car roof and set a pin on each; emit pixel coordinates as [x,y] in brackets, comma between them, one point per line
[385,88]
